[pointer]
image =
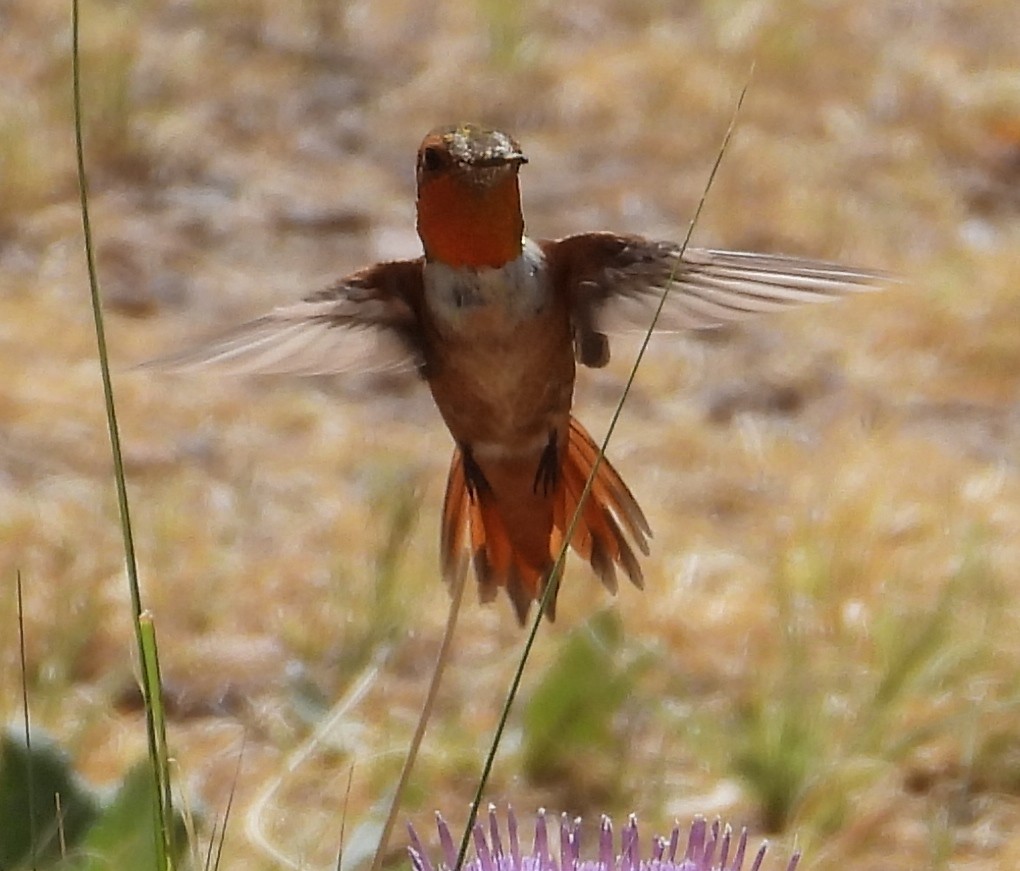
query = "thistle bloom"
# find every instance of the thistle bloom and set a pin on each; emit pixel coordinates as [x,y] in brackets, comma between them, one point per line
[708,849]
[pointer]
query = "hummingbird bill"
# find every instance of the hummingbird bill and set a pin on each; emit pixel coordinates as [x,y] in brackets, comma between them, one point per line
[495,323]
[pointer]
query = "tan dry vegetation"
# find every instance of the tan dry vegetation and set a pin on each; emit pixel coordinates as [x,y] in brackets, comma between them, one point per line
[835,494]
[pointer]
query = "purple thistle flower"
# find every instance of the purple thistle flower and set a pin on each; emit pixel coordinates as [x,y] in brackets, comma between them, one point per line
[708,849]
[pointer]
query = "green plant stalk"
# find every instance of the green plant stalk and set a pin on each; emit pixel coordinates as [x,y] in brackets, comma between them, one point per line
[230,805]
[150,692]
[151,679]
[343,818]
[32,836]
[575,519]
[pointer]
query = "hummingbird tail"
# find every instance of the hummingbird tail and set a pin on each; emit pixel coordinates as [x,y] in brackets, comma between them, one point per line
[477,520]
[610,519]
[473,523]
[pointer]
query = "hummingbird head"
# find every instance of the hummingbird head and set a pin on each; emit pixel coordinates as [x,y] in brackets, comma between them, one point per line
[469,200]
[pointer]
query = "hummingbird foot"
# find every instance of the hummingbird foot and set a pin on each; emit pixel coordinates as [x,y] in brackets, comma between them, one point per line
[548,472]
[474,477]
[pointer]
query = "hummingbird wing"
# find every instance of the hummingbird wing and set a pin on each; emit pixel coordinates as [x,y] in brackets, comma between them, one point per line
[615,284]
[366,322]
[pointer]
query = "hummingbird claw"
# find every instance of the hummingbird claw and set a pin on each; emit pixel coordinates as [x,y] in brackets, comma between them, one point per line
[548,471]
[473,475]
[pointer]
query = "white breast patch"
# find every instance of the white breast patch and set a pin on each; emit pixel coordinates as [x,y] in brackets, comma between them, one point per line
[488,300]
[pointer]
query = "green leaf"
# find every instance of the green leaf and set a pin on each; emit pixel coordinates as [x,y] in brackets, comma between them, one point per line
[49,771]
[125,835]
[573,732]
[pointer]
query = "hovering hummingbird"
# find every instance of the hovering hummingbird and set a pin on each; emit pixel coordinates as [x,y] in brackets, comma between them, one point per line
[495,323]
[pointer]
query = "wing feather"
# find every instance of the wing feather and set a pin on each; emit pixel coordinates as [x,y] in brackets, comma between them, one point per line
[615,284]
[367,322]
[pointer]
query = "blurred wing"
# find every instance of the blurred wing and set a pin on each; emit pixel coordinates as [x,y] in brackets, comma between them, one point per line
[616,283]
[366,322]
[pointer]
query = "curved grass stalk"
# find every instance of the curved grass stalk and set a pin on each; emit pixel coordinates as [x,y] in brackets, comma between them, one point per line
[575,519]
[423,719]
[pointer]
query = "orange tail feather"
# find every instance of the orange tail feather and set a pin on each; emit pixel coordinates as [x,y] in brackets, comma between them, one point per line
[485,523]
[599,537]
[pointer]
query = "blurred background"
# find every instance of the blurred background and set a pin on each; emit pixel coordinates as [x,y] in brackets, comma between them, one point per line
[826,645]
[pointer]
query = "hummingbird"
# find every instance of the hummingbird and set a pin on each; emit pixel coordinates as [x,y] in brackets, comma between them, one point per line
[495,323]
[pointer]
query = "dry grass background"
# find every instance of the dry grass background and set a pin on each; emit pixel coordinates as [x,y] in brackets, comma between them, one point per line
[827,639]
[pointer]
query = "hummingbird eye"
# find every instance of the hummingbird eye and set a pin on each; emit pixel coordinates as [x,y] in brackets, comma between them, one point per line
[432,158]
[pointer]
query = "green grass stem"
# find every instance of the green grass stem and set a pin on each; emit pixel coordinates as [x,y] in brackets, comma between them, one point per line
[144,630]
